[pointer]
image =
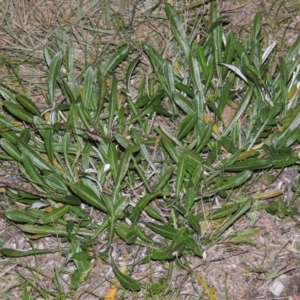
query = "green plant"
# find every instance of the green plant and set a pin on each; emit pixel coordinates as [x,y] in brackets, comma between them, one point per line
[95,147]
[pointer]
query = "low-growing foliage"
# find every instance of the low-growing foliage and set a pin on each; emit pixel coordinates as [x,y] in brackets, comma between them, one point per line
[173,146]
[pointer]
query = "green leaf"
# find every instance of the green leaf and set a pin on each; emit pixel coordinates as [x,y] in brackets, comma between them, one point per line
[28,104]
[53,230]
[19,216]
[115,60]
[256,25]
[88,85]
[122,170]
[169,146]
[19,112]
[55,181]
[21,253]
[157,288]
[69,199]
[127,233]
[195,74]
[178,240]
[55,215]
[69,58]
[126,281]
[37,160]
[164,230]
[142,203]
[163,180]
[83,255]
[186,126]
[53,74]
[192,245]
[230,183]
[177,29]
[156,59]
[281,160]
[8,95]
[142,235]
[161,255]
[184,103]
[181,169]
[223,212]
[88,195]
[169,77]
[203,137]
[112,103]
[153,213]
[130,70]
[10,149]
[195,223]
[242,210]
[217,34]
[30,168]
[113,160]
[190,196]
[249,164]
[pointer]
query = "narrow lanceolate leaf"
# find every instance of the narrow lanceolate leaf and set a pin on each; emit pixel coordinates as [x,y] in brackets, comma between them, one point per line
[28,104]
[186,126]
[116,59]
[142,203]
[190,196]
[112,103]
[181,169]
[156,59]
[249,164]
[268,52]
[126,281]
[19,112]
[164,230]
[31,169]
[19,216]
[88,195]
[169,77]
[177,29]
[294,122]
[195,73]
[52,75]
[236,70]
[69,58]
[88,85]
[230,183]
[242,210]
[37,160]
[171,149]
[113,160]
[127,233]
[130,70]
[122,170]
[163,180]
[21,253]
[7,95]
[223,212]
[55,215]
[10,149]
[55,230]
